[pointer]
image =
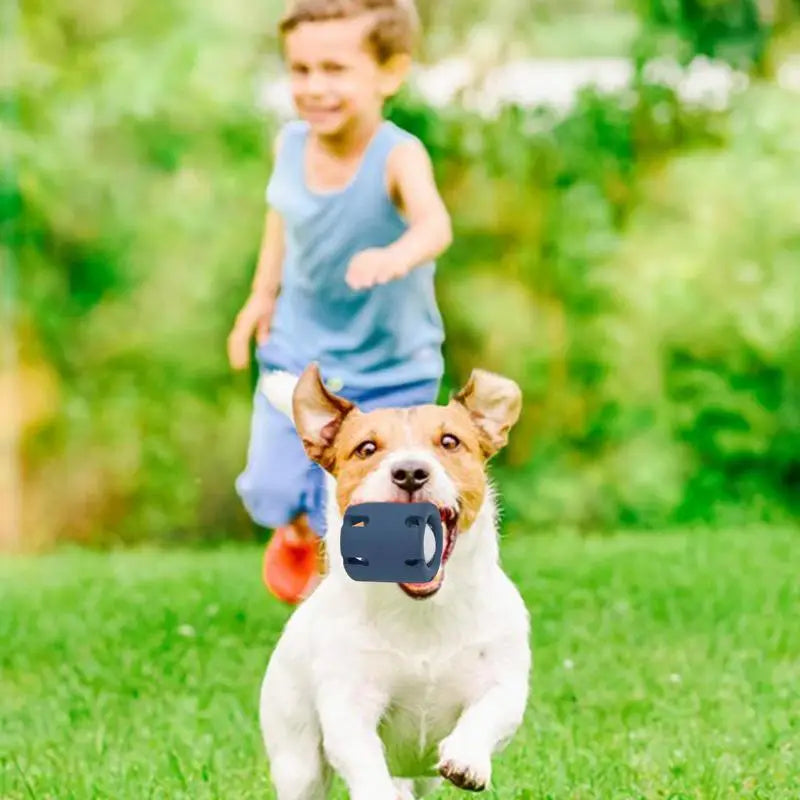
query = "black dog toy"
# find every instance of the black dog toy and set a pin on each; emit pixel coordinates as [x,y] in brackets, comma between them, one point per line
[386,542]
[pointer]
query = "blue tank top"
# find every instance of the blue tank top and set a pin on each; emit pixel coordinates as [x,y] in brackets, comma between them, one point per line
[385,336]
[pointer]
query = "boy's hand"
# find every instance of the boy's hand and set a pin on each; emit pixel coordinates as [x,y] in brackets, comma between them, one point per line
[374,267]
[255,316]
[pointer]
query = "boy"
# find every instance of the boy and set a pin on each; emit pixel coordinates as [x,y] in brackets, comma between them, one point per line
[354,224]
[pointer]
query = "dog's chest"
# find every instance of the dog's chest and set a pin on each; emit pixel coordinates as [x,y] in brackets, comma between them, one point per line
[428,693]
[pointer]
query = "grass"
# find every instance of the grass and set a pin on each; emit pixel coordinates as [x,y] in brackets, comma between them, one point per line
[665,667]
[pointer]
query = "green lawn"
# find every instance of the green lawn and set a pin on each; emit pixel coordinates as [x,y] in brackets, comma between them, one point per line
[665,667]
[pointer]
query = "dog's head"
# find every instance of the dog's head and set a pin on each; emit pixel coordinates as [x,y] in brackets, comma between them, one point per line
[428,453]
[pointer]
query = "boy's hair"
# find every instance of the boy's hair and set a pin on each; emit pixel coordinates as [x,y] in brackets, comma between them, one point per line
[394,27]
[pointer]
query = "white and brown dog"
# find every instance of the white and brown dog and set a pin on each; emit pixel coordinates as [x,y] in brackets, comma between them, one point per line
[393,687]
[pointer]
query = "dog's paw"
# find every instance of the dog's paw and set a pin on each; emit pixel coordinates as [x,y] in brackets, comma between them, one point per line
[464,765]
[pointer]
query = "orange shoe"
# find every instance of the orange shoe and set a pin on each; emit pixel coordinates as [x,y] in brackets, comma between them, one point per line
[291,565]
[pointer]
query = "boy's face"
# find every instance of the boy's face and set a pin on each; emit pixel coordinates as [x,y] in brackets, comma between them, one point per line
[335,79]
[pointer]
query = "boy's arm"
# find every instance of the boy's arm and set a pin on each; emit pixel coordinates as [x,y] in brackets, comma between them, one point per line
[256,313]
[412,186]
[267,279]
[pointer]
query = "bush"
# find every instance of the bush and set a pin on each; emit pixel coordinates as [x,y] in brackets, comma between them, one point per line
[137,201]
[732,30]
[632,265]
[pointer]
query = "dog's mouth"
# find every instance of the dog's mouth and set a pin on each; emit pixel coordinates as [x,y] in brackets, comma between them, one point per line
[422,591]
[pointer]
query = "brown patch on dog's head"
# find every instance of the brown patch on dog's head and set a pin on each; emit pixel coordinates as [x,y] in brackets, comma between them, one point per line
[362,446]
[458,449]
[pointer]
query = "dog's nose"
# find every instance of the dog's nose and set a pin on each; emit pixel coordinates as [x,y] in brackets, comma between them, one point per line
[410,475]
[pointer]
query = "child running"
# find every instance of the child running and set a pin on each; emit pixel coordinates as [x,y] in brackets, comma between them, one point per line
[345,276]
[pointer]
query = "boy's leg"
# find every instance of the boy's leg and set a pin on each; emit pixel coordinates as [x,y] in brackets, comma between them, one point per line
[274,487]
[282,488]
[291,565]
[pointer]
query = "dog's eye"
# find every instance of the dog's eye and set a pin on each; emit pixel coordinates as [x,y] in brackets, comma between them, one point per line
[450,442]
[366,449]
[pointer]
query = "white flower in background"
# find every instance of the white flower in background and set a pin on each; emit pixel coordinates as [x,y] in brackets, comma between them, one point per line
[487,84]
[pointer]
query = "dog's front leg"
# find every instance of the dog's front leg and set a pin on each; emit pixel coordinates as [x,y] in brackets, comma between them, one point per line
[349,716]
[465,756]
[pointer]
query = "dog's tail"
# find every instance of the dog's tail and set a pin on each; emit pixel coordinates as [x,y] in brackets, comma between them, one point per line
[278,388]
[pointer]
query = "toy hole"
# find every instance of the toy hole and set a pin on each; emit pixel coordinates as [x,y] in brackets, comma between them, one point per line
[355,561]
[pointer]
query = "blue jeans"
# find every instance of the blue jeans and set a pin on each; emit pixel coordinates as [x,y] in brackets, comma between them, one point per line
[279,481]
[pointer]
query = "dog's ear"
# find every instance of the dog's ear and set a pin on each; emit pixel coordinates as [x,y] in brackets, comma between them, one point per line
[318,416]
[494,403]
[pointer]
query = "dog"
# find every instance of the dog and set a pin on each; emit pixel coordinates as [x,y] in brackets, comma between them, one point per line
[396,687]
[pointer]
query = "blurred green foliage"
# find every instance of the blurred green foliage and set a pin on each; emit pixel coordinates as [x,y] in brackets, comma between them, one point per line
[633,265]
[137,201]
[732,30]
[736,31]
[552,28]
